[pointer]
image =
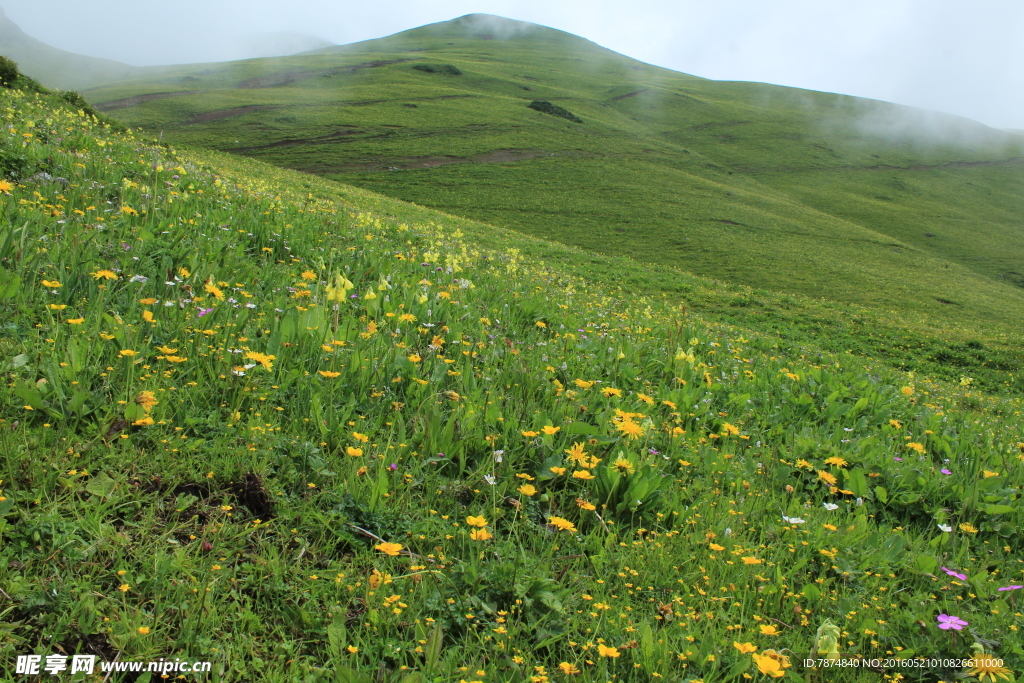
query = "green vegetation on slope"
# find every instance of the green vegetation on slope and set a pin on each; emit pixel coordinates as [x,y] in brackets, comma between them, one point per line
[312,433]
[772,188]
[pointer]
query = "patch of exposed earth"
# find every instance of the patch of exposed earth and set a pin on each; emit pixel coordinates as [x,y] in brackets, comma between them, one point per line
[139,99]
[498,156]
[227,113]
[287,77]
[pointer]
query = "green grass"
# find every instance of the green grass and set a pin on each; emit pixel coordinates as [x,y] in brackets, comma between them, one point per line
[775,189]
[215,417]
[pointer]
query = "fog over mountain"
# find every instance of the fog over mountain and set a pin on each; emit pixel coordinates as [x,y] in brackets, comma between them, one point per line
[934,54]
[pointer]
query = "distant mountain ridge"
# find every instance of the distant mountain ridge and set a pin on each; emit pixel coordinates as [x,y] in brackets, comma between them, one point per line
[56,68]
[526,127]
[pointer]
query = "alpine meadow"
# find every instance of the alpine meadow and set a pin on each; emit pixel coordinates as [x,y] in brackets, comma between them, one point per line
[480,353]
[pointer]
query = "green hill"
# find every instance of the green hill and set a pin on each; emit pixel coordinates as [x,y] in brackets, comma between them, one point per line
[778,189]
[306,432]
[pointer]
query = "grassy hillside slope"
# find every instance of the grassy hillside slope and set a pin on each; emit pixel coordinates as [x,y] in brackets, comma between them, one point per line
[310,433]
[773,188]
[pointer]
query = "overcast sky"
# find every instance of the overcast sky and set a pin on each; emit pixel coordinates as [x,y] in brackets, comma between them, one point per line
[964,57]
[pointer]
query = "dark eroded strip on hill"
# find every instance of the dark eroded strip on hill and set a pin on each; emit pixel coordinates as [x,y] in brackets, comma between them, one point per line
[139,99]
[498,156]
[226,113]
[629,94]
[287,77]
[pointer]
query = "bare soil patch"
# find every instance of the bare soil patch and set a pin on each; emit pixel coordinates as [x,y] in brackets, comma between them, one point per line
[629,94]
[139,99]
[227,113]
[287,77]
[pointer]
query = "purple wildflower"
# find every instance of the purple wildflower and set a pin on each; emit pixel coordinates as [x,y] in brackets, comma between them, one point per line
[1009,588]
[393,467]
[897,459]
[946,622]
[204,311]
[962,577]
[945,471]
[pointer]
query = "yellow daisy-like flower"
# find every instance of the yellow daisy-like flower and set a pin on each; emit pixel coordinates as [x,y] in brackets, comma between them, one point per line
[147,316]
[175,359]
[329,373]
[529,434]
[717,548]
[586,505]
[549,429]
[308,275]
[837,461]
[608,392]
[58,307]
[582,474]
[576,453]
[568,669]
[630,429]
[744,648]
[353,451]
[827,477]
[414,358]
[104,275]
[968,528]
[143,422]
[214,291]
[51,284]
[5,187]
[146,400]
[148,301]
[752,560]
[771,663]
[75,321]
[623,466]
[266,360]
[392,549]
[527,489]
[583,384]
[480,534]
[478,521]
[562,524]
[127,352]
[988,666]
[769,630]
[143,630]
[605,651]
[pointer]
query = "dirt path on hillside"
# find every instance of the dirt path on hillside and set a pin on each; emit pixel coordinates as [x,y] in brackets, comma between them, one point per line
[227,113]
[629,94]
[139,99]
[287,77]
[498,156]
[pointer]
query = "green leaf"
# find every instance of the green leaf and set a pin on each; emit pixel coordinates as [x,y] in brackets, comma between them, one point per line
[881,494]
[101,485]
[18,361]
[999,509]
[810,591]
[580,428]
[9,285]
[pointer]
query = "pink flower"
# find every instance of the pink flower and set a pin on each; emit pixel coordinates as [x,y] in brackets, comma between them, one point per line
[962,577]
[1010,588]
[947,622]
